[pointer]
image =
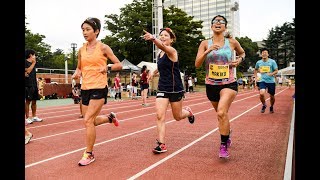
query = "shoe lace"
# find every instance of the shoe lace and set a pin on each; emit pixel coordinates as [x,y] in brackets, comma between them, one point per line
[85,155]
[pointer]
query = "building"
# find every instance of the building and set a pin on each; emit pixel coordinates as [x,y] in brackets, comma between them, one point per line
[205,10]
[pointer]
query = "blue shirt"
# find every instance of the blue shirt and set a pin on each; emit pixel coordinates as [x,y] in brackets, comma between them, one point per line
[266,67]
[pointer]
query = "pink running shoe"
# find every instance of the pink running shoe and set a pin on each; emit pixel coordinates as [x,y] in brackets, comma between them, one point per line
[86,159]
[113,119]
[191,116]
[229,142]
[223,151]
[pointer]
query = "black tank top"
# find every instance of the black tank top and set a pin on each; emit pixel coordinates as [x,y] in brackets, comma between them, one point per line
[170,78]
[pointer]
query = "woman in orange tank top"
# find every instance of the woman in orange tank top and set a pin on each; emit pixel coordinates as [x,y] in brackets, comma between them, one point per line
[92,67]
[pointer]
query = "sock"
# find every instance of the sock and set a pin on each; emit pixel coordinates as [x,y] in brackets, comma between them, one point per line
[89,152]
[224,139]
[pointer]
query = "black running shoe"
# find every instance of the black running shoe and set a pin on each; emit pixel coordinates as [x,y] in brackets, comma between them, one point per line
[161,148]
[271,109]
[263,108]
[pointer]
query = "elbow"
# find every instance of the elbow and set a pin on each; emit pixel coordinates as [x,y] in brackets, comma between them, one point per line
[197,65]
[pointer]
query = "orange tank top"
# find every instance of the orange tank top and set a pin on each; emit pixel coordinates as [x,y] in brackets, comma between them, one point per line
[90,66]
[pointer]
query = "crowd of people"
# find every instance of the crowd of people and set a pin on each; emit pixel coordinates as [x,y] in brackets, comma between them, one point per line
[220,82]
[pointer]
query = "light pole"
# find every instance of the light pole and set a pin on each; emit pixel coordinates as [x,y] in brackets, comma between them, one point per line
[66,69]
[233,10]
[73,46]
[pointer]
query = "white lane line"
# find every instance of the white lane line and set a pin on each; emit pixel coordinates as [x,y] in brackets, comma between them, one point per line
[183,148]
[81,149]
[288,167]
[187,146]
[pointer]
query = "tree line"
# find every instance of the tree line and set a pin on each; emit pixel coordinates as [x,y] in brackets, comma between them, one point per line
[127,28]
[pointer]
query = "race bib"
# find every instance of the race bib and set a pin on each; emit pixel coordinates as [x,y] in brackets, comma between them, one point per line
[264,69]
[218,71]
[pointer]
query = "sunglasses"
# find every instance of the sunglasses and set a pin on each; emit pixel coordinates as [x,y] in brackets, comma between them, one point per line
[221,21]
[91,20]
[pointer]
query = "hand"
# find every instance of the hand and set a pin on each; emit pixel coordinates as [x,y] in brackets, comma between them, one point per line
[77,74]
[236,62]
[214,47]
[103,70]
[147,36]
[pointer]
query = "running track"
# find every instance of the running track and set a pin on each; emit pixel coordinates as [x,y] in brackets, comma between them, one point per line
[259,149]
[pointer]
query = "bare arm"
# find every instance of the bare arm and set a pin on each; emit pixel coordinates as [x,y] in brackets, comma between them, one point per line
[202,53]
[29,69]
[107,51]
[239,51]
[169,50]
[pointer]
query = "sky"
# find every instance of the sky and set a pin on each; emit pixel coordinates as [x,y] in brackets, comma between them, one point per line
[60,20]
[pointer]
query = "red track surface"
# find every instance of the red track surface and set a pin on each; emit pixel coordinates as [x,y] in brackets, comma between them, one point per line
[258,151]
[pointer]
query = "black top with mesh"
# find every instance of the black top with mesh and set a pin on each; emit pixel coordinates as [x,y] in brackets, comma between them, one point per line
[170,78]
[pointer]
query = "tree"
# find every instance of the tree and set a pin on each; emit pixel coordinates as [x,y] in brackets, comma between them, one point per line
[281,44]
[127,28]
[35,42]
[251,49]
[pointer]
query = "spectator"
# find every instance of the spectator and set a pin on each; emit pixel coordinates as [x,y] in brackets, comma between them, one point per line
[31,86]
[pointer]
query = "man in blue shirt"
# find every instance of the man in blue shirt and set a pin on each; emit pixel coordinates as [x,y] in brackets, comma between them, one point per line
[268,69]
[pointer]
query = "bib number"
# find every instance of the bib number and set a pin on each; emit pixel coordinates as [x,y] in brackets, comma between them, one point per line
[218,71]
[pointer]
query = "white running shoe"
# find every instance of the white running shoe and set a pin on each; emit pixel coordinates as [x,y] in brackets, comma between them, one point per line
[36,119]
[29,121]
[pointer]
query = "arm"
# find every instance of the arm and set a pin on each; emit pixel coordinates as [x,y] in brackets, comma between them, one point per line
[202,53]
[275,72]
[29,69]
[169,50]
[239,51]
[107,51]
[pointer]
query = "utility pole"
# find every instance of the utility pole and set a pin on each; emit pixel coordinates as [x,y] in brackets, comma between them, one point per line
[66,69]
[74,46]
[157,23]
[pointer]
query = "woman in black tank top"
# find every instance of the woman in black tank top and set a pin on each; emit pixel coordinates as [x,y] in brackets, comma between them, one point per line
[170,88]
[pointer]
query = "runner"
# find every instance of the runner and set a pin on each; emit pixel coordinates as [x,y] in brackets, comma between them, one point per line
[170,87]
[92,67]
[221,86]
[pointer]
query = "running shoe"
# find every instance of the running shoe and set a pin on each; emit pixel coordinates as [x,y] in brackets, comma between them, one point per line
[161,148]
[36,119]
[191,117]
[223,151]
[271,109]
[27,138]
[86,159]
[29,121]
[263,109]
[229,142]
[113,119]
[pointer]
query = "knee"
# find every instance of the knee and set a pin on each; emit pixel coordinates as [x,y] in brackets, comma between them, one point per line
[177,117]
[88,123]
[221,115]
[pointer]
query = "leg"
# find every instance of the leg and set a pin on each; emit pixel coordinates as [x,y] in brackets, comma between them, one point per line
[226,97]
[26,108]
[90,113]
[178,112]
[34,108]
[161,108]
